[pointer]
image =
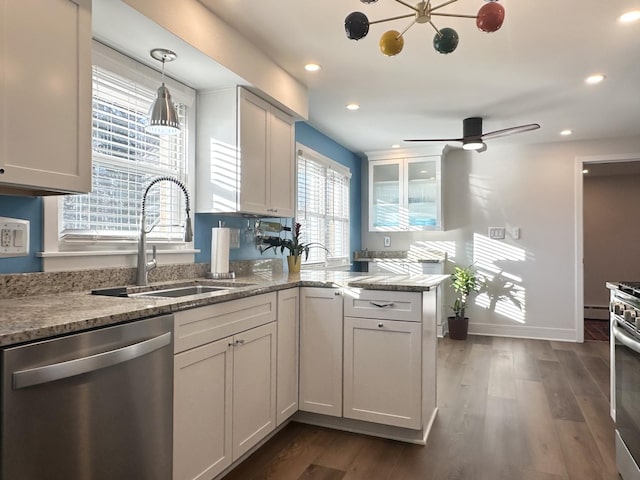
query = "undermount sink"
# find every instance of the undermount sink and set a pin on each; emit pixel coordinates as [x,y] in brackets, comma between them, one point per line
[179,291]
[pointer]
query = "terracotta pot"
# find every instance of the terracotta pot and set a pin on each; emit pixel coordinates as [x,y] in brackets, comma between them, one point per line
[458,328]
[294,263]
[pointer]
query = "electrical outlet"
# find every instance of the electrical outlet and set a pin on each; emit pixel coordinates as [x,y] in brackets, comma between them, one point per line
[496,233]
[387,241]
[5,237]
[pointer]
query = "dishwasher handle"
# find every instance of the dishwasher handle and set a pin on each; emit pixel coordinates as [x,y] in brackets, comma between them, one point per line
[70,368]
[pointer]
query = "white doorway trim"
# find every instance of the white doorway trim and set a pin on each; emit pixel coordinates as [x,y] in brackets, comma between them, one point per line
[580,164]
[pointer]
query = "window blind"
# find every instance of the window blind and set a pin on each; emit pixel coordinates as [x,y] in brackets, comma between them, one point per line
[125,159]
[323,207]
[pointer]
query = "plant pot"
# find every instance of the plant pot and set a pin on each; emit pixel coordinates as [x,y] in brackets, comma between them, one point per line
[458,328]
[294,263]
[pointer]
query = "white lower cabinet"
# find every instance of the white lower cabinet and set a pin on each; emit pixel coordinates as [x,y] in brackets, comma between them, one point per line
[254,387]
[288,349]
[225,388]
[382,371]
[202,411]
[321,351]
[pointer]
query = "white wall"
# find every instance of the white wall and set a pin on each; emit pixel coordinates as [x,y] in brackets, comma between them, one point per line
[531,187]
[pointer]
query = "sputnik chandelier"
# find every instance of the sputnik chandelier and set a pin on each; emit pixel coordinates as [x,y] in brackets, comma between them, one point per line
[489,19]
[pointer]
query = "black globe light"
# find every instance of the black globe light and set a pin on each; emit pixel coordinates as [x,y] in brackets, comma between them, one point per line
[356,25]
[446,40]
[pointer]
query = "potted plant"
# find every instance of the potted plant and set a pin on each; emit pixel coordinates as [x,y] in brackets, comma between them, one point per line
[296,247]
[464,282]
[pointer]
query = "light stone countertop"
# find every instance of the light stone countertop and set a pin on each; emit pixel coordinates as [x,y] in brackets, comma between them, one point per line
[41,316]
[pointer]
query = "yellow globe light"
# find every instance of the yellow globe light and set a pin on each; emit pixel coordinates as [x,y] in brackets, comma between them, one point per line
[391,43]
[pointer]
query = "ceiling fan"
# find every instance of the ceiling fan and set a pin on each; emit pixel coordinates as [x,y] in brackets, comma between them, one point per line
[472,136]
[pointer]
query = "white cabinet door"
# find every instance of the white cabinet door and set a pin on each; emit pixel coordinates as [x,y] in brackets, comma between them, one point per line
[382,371]
[202,411]
[254,387]
[282,165]
[287,365]
[321,351]
[45,85]
[254,167]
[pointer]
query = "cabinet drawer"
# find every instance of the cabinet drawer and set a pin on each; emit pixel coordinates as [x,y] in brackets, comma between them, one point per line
[206,324]
[384,304]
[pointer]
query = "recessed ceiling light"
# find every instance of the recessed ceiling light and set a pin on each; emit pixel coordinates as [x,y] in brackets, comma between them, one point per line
[312,67]
[395,145]
[352,106]
[629,17]
[595,79]
[566,132]
[586,170]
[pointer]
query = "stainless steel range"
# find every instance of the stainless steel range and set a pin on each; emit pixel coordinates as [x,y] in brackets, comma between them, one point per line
[625,375]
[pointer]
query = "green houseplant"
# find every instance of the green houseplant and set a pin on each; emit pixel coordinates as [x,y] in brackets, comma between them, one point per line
[296,247]
[464,282]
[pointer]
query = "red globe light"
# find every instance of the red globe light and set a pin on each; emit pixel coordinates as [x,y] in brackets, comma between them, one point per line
[490,17]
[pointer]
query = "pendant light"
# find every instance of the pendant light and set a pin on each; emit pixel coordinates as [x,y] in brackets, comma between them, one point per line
[163,119]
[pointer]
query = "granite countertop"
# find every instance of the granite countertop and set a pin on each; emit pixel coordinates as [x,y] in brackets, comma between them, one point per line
[40,316]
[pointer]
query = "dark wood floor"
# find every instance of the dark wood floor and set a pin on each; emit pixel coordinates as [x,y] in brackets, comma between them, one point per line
[508,409]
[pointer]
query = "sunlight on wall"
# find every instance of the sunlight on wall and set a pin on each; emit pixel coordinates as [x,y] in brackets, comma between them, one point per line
[501,291]
[224,175]
[427,249]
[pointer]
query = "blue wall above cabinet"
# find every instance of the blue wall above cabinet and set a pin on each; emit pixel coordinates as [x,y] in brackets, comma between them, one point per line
[26,208]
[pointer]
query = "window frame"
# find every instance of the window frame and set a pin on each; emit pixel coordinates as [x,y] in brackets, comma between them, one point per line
[60,254]
[326,162]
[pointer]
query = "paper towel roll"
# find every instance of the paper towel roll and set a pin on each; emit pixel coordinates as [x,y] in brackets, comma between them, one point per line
[220,250]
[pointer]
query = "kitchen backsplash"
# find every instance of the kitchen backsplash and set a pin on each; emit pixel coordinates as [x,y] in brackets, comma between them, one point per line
[42,283]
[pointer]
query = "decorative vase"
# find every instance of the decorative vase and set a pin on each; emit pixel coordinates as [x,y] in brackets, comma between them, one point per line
[294,262]
[458,328]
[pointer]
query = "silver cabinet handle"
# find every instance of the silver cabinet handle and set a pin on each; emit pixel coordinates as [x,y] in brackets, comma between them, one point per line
[381,305]
[380,325]
[71,368]
[625,339]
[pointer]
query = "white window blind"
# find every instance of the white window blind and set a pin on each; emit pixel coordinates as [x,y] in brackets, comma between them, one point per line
[125,160]
[323,207]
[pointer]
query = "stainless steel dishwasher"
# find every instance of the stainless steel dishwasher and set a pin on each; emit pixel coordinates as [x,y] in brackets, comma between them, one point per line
[95,405]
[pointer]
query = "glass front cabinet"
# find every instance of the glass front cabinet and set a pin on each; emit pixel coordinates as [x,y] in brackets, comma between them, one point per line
[404,194]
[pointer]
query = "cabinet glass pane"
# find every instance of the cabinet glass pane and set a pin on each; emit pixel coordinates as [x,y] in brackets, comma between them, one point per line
[386,195]
[422,194]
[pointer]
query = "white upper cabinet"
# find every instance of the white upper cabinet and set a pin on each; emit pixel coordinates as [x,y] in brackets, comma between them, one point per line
[404,194]
[246,157]
[45,86]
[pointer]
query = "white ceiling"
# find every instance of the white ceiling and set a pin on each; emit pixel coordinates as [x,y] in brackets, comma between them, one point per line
[532,70]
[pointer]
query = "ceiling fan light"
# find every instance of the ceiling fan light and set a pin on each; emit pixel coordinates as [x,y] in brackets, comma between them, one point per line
[473,145]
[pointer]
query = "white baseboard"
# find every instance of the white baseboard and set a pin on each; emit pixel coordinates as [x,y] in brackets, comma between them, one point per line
[537,333]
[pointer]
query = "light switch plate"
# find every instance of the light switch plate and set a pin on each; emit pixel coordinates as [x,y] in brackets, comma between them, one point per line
[14,237]
[387,241]
[496,233]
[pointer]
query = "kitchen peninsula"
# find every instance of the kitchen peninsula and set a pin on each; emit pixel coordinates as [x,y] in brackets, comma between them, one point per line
[342,350]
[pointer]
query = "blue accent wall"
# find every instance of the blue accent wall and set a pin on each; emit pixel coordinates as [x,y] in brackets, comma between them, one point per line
[25,208]
[312,138]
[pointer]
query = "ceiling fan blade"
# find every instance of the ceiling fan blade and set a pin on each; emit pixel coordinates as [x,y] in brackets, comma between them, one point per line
[510,131]
[433,140]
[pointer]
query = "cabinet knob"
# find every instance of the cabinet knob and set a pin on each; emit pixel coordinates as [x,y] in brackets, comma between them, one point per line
[336,293]
[380,324]
[239,342]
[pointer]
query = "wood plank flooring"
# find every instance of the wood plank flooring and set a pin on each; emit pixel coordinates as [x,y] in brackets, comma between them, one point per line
[508,409]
